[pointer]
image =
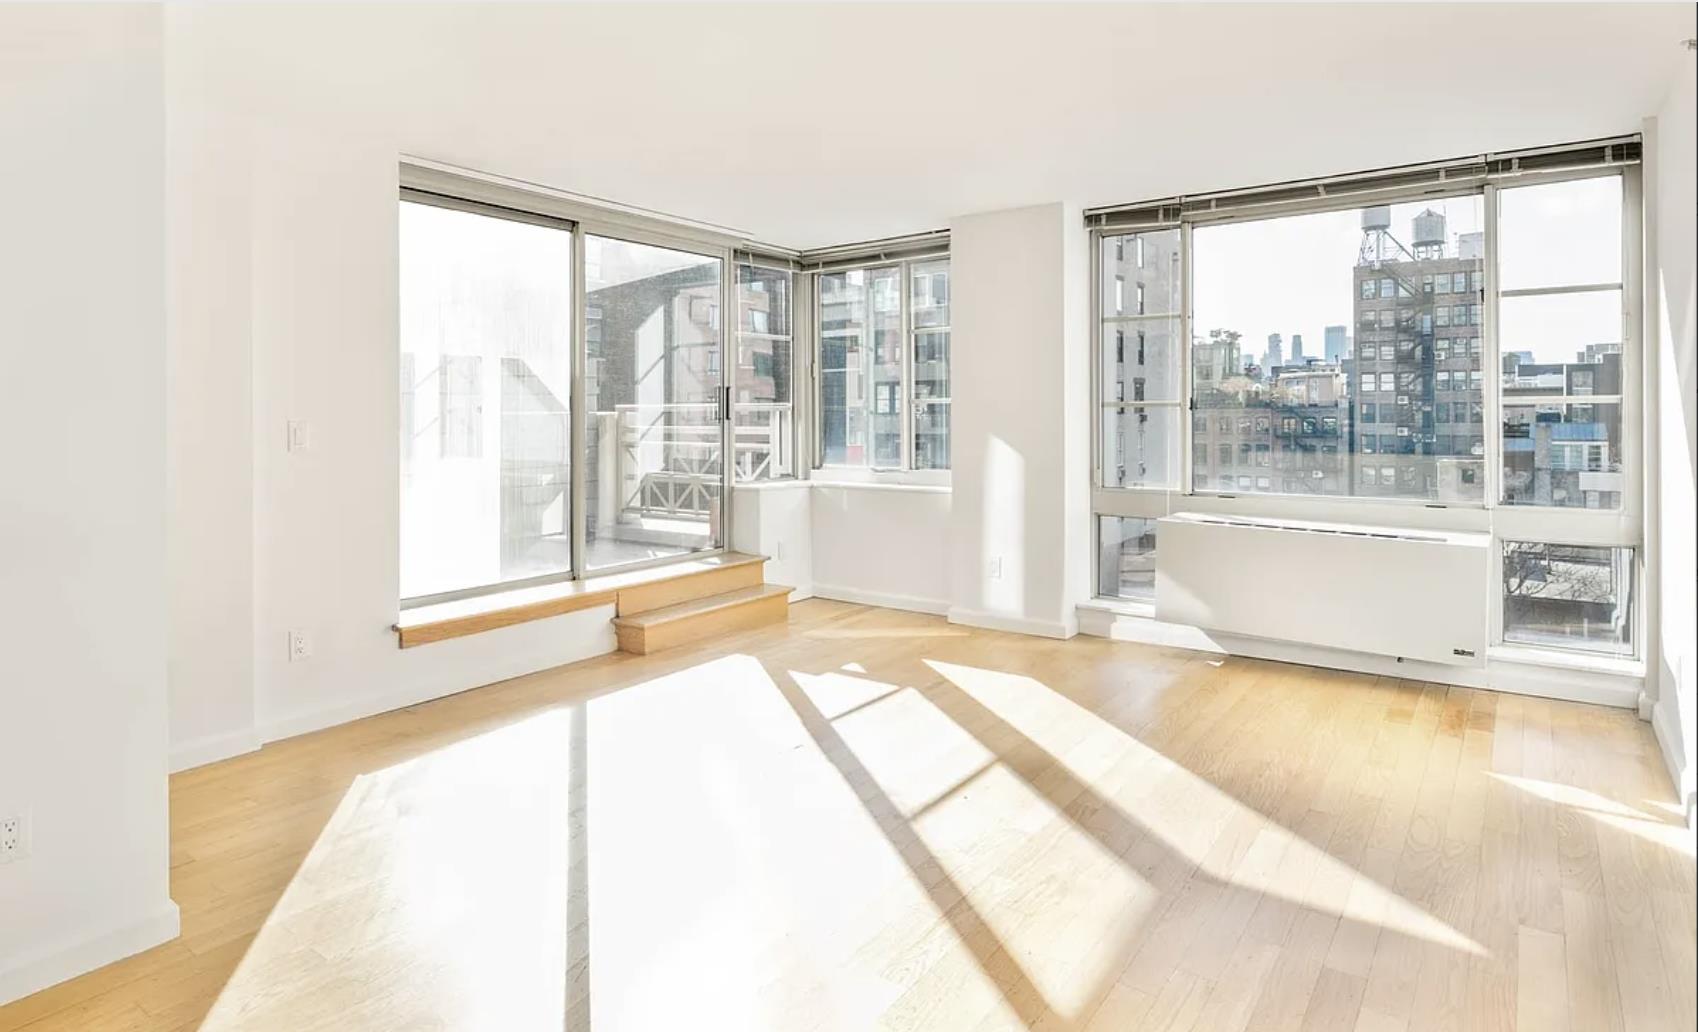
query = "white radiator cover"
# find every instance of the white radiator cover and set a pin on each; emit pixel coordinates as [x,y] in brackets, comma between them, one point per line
[1417,594]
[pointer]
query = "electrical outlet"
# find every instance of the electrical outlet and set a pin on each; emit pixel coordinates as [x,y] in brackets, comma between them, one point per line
[996,568]
[778,550]
[300,646]
[14,837]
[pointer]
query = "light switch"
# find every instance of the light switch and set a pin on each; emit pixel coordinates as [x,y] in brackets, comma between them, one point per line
[300,435]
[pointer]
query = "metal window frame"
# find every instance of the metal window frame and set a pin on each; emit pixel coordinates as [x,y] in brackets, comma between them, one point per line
[904,265]
[745,259]
[426,182]
[1622,527]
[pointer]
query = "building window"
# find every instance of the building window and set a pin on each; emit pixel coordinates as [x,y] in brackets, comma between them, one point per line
[1569,597]
[1139,401]
[863,380]
[763,423]
[485,313]
[1560,334]
[1389,263]
[1126,558]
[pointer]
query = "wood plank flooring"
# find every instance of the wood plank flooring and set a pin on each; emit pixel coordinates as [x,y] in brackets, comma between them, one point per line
[874,820]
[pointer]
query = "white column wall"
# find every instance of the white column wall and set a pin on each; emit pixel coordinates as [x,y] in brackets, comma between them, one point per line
[1019,528]
[83,500]
[1673,405]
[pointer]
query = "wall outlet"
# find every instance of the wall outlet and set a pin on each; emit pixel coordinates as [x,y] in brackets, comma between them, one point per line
[995,570]
[778,551]
[300,646]
[14,837]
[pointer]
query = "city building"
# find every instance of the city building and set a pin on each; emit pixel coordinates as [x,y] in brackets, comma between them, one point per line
[1337,344]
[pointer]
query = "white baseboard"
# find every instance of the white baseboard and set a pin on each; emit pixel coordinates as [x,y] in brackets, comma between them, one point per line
[1588,686]
[1014,624]
[198,752]
[53,964]
[432,681]
[911,603]
[1665,726]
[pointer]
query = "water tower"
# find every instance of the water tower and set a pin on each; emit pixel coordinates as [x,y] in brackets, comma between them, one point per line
[1429,234]
[1377,243]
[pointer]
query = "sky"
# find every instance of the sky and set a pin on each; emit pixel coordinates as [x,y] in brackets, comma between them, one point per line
[1293,275]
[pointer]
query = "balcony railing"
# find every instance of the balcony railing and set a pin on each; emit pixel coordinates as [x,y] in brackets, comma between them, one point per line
[667,460]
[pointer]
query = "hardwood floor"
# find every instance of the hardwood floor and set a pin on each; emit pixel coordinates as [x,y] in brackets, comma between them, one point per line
[869,819]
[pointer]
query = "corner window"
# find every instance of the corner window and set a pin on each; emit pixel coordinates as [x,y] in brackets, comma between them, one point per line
[883,366]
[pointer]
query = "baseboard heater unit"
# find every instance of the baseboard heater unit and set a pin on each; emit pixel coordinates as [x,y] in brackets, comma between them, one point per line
[1412,594]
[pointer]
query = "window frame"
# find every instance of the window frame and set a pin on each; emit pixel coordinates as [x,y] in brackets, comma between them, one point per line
[479,194]
[793,438]
[907,406]
[1621,527]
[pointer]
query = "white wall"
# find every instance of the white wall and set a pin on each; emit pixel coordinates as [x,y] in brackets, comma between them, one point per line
[209,411]
[776,520]
[882,544]
[1019,526]
[1674,667]
[300,208]
[82,504]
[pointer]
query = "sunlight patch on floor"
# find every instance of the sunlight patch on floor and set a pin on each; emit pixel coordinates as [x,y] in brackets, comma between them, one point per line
[1184,811]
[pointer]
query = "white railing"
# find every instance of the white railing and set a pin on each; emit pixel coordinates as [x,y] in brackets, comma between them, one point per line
[668,459]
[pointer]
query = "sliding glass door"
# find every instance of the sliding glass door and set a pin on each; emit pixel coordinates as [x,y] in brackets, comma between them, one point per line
[655,470]
[486,376]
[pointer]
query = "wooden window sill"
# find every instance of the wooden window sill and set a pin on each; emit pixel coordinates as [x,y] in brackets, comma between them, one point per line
[634,590]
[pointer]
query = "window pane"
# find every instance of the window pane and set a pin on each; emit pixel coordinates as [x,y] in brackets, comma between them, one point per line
[1554,329]
[931,399]
[861,367]
[1568,596]
[1362,418]
[652,339]
[1126,558]
[929,295]
[1140,360]
[1562,454]
[1560,234]
[485,330]
[931,435]
[1140,447]
[1140,274]
[763,411]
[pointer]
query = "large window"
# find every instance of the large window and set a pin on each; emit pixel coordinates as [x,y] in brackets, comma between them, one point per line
[486,345]
[1401,414]
[1478,352]
[884,344]
[764,424]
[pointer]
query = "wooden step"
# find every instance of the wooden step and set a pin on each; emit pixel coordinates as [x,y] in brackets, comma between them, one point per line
[715,575]
[701,618]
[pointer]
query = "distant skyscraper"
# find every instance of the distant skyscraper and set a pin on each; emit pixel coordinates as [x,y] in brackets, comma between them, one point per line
[1276,352]
[1338,344]
[1296,349]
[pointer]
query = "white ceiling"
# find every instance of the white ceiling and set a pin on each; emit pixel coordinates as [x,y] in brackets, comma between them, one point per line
[806,125]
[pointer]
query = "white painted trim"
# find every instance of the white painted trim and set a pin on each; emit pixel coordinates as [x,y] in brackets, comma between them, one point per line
[50,965]
[878,485]
[207,749]
[1013,624]
[1588,686]
[1680,776]
[910,603]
